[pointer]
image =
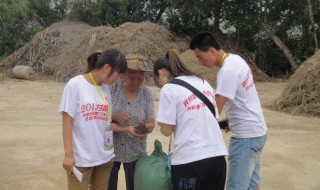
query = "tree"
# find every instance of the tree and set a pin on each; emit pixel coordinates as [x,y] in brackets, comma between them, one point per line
[283,22]
[46,12]
[156,9]
[62,7]
[86,11]
[313,24]
[116,12]
[13,27]
[265,26]
[204,15]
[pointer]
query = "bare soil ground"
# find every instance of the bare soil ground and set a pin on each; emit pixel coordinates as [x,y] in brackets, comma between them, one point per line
[32,150]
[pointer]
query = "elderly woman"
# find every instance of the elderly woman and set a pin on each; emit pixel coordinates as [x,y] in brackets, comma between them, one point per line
[133,113]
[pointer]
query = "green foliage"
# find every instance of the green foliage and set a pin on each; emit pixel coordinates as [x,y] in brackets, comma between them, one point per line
[154,9]
[288,19]
[116,12]
[19,20]
[188,17]
[86,11]
[13,27]
[187,22]
[242,19]
[271,59]
[46,12]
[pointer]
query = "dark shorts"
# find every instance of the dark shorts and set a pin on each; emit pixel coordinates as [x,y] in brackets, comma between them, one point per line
[206,174]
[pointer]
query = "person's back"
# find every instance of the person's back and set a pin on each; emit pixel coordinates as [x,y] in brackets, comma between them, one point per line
[197,133]
[198,160]
[235,81]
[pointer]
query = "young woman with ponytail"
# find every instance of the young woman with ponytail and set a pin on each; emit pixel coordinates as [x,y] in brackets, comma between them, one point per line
[87,111]
[198,160]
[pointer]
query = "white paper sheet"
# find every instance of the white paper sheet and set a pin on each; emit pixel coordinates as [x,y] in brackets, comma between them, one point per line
[77,173]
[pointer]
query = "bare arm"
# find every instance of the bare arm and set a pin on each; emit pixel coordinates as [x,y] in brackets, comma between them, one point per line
[221,101]
[121,118]
[165,129]
[68,161]
[118,128]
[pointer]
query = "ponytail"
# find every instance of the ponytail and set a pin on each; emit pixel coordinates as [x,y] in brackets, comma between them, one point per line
[173,64]
[178,68]
[92,60]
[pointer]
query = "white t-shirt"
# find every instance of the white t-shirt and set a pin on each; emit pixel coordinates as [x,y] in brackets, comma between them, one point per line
[235,82]
[82,102]
[197,134]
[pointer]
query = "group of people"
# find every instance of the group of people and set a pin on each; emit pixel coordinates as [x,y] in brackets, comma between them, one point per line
[107,118]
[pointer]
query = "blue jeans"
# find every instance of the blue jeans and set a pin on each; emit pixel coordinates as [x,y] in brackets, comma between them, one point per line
[244,163]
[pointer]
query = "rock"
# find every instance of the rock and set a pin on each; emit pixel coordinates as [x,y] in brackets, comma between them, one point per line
[22,72]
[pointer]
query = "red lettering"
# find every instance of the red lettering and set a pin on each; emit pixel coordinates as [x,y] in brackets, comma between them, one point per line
[189,99]
[99,107]
[185,103]
[83,108]
[251,85]
[88,107]
[244,83]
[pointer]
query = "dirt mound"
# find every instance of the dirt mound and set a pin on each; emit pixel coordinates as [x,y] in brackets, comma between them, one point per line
[61,49]
[46,44]
[302,95]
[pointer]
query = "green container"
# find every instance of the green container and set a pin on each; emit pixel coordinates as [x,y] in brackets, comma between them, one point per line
[152,172]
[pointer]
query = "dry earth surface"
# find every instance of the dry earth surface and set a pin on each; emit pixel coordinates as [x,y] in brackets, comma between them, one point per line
[32,150]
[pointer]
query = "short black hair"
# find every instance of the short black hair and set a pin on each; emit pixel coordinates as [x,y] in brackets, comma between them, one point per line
[203,41]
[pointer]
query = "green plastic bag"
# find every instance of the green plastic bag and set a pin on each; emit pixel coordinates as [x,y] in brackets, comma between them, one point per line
[152,172]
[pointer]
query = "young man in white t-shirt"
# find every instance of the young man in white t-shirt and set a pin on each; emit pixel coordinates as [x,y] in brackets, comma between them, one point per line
[237,92]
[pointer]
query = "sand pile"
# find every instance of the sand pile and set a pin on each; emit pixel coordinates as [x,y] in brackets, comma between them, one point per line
[302,95]
[46,44]
[60,51]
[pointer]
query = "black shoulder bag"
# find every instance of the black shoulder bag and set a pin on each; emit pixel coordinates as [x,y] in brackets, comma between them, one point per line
[223,124]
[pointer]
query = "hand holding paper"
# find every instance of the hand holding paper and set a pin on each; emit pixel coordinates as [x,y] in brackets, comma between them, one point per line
[77,173]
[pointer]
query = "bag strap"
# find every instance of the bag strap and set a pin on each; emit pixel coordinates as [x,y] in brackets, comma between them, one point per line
[201,96]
